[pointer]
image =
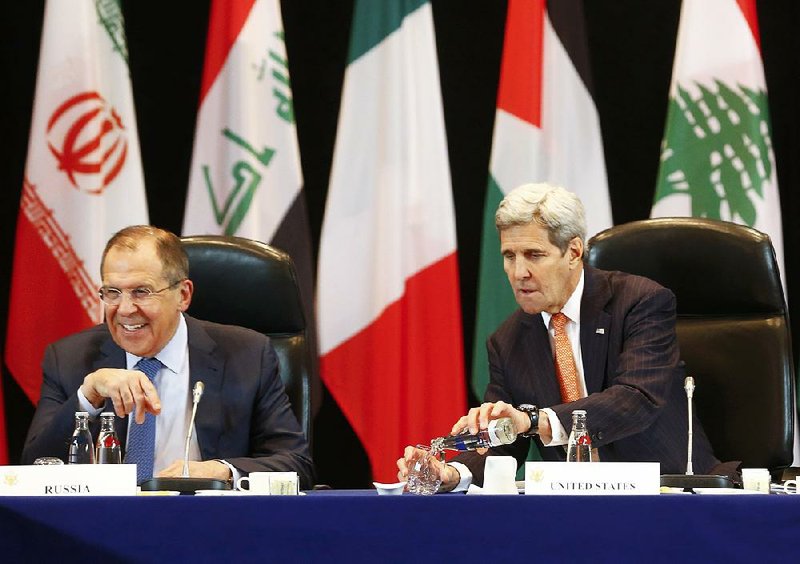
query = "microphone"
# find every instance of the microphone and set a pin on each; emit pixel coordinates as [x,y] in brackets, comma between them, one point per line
[197,393]
[185,484]
[691,480]
[688,386]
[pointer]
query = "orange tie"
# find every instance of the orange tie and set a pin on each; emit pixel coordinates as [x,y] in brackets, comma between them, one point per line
[565,362]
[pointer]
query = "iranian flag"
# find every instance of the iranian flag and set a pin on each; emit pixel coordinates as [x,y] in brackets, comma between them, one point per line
[387,293]
[245,178]
[717,159]
[546,130]
[83,181]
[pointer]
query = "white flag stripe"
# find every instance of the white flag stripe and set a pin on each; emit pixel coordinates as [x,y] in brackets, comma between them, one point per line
[382,195]
[560,152]
[242,101]
[77,56]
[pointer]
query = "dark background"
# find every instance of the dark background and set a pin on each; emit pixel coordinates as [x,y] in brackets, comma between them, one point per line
[631,45]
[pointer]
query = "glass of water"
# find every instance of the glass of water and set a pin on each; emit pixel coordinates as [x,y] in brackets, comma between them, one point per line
[424,471]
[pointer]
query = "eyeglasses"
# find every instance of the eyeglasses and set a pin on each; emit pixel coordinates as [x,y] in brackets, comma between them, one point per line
[139,296]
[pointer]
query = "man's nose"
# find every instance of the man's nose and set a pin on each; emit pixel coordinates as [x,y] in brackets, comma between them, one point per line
[521,270]
[126,303]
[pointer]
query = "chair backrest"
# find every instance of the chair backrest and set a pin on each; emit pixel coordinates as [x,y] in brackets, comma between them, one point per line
[243,282]
[732,326]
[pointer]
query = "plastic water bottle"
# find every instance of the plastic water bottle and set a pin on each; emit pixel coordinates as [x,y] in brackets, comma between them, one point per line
[108,449]
[498,432]
[579,447]
[81,446]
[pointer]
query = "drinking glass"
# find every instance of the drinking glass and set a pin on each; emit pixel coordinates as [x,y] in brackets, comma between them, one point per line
[424,475]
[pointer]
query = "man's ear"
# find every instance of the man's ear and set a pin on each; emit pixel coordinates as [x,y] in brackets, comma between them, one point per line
[575,251]
[186,290]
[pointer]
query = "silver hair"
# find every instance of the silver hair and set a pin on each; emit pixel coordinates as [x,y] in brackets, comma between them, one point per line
[557,210]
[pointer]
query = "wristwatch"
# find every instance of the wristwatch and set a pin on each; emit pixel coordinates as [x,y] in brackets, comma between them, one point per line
[533,413]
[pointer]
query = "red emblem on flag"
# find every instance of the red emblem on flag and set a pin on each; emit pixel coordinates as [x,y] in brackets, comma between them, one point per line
[87,137]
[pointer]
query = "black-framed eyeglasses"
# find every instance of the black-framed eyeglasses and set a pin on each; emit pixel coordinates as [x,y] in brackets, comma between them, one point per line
[139,296]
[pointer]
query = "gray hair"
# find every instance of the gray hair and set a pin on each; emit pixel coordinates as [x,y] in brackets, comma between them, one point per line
[557,210]
[174,262]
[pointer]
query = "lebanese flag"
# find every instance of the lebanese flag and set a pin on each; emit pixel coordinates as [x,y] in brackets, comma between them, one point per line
[387,294]
[83,182]
[546,130]
[717,159]
[246,178]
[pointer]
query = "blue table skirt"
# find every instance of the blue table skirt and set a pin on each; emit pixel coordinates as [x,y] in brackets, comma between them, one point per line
[363,527]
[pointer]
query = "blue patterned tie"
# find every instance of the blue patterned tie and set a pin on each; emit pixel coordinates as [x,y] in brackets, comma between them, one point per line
[142,438]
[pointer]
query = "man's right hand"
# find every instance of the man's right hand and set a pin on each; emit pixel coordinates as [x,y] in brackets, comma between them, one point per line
[127,389]
[449,475]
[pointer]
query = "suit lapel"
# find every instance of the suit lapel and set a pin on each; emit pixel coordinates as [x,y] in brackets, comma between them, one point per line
[595,328]
[206,365]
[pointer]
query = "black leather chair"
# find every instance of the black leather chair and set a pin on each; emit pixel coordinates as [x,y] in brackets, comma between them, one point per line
[732,326]
[243,282]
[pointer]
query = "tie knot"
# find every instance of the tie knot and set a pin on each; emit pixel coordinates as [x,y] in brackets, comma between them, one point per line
[150,367]
[559,321]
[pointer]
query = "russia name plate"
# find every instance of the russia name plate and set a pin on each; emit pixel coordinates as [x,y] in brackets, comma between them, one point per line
[68,479]
[592,478]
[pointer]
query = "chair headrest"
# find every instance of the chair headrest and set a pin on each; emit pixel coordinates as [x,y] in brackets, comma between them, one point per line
[244,282]
[736,264]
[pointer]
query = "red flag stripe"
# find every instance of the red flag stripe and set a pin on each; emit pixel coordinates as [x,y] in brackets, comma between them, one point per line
[748,8]
[394,395]
[520,90]
[225,22]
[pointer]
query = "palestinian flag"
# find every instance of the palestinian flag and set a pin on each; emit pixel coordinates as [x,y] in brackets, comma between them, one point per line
[546,130]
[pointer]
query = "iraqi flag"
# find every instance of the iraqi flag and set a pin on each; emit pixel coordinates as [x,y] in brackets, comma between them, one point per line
[717,159]
[83,181]
[546,130]
[245,178]
[387,295]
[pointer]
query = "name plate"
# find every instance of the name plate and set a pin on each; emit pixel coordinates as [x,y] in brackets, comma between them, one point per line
[68,480]
[592,478]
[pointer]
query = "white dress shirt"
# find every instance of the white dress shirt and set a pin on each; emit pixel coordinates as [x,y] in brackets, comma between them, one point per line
[172,384]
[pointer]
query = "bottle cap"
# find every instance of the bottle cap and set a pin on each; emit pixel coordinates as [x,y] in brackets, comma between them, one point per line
[107,414]
[579,412]
[81,414]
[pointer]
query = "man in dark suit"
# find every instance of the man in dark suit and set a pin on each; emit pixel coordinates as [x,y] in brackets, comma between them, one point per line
[618,337]
[244,422]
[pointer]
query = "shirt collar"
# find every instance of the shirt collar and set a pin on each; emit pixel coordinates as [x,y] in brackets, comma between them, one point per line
[572,308]
[174,352]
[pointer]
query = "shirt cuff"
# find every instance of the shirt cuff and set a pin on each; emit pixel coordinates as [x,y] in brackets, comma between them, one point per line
[560,436]
[466,477]
[235,474]
[86,406]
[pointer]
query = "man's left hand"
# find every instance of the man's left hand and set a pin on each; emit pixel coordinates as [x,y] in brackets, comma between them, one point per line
[208,469]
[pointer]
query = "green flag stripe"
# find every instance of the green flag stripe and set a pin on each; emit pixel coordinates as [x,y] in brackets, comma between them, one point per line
[373,21]
[495,298]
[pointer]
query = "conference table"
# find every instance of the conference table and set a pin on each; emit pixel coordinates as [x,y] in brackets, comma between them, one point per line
[361,526]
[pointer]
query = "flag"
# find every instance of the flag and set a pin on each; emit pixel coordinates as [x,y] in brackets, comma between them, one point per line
[83,181]
[388,301]
[245,178]
[546,130]
[717,159]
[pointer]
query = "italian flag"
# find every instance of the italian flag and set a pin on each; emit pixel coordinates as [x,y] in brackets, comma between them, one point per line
[546,130]
[717,159]
[387,294]
[83,182]
[245,178]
